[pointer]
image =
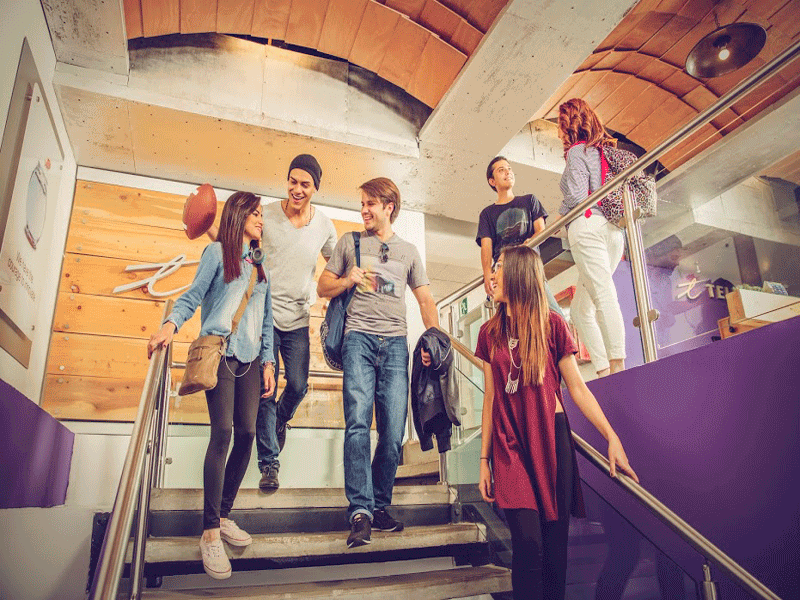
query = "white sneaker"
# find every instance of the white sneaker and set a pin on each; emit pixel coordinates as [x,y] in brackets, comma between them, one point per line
[231,533]
[215,561]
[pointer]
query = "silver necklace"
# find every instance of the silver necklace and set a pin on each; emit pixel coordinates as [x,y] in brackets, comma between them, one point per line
[512,384]
[310,213]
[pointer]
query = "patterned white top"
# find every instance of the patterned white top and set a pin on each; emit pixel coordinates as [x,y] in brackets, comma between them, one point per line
[582,176]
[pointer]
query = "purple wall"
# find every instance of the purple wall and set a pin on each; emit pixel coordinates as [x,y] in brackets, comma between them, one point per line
[35,453]
[714,433]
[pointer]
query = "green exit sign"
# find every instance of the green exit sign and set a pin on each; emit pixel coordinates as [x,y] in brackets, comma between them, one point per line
[463,309]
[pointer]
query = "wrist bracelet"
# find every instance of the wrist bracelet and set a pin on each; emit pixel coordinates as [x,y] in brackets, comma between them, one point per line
[484,458]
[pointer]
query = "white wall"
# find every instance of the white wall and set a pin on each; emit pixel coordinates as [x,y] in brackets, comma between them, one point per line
[21,19]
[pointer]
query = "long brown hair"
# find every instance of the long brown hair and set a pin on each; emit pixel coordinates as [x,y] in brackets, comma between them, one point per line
[526,305]
[579,123]
[231,231]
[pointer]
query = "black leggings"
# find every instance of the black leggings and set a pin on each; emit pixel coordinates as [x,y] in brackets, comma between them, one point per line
[232,408]
[539,562]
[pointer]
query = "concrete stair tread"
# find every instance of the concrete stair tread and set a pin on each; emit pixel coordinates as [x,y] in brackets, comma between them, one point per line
[298,545]
[437,585]
[248,499]
[422,469]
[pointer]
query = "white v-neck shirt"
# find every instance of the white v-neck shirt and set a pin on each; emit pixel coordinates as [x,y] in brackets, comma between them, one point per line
[291,257]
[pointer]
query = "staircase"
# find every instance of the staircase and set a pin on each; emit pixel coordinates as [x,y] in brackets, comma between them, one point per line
[296,528]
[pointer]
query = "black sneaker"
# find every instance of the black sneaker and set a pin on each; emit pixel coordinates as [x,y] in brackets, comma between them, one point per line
[280,430]
[383,521]
[360,531]
[269,478]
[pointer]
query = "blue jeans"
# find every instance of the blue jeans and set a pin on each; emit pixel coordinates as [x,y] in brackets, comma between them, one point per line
[293,346]
[375,374]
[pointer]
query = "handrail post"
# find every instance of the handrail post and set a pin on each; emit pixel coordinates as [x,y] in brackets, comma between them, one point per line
[162,423]
[709,587]
[640,283]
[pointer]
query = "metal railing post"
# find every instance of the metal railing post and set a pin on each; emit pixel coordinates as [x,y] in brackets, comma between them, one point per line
[646,315]
[161,425]
[709,587]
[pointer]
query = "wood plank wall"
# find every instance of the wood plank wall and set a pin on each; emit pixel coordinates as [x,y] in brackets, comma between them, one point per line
[419,45]
[98,350]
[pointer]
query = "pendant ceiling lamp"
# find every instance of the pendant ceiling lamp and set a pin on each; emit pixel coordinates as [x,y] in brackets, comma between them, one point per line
[725,49]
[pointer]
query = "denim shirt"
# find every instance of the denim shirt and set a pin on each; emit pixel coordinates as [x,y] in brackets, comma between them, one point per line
[219,302]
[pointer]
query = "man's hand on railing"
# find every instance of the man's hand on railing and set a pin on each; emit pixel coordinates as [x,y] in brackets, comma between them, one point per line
[618,458]
[163,337]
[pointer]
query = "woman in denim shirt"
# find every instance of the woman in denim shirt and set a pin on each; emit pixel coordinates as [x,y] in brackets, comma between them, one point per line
[222,278]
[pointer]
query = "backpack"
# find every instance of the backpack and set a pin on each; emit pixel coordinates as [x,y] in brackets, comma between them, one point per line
[641,186]
[331,331]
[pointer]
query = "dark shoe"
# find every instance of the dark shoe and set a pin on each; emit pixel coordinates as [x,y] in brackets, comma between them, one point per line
[269,478]
[383,521]
[360,531]
[280,430]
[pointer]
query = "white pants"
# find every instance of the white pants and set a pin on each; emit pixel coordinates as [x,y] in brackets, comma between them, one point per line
[597,247]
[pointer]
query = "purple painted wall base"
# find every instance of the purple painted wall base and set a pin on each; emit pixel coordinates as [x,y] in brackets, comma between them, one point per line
[35,453]
[714,433]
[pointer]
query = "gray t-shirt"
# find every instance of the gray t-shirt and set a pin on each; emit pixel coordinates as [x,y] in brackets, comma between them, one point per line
[379,307]
[291,259]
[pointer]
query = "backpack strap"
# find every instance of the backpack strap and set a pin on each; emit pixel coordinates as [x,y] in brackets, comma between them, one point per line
[357,246]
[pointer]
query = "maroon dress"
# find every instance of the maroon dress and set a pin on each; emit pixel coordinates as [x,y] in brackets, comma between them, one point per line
[523,438]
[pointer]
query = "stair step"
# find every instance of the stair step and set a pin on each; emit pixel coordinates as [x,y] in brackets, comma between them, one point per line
[431,585]
[295,545]
[424,469]
[248,499]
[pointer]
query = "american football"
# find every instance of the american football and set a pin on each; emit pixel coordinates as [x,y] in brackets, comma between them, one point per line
[200,211]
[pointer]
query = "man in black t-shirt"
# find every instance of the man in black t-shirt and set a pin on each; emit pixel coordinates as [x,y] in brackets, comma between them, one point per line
[510,221]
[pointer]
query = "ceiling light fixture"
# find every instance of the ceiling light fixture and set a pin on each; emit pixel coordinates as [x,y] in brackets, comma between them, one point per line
[725,49]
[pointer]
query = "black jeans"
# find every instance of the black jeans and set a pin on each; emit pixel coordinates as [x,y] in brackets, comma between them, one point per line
[232,407]
[539,562]
[294,347]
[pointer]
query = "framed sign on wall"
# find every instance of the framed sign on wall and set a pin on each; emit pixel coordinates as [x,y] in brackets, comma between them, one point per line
[31,160]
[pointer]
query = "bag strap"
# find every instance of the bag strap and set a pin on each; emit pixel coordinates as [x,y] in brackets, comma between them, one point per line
[243,304]
[357,246]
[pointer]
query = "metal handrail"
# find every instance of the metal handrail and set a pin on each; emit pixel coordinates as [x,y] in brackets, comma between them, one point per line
[115,543]
[688,533]
[311,373]
[647,159]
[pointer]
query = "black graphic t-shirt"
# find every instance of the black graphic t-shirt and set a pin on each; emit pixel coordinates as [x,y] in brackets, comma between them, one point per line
[509,224]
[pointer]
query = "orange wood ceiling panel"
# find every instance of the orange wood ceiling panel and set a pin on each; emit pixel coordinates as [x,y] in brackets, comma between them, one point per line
[438,68]
[680,83]
[611,59]
[563,89]
[671,6]
[656,71]
[482,14]
[235,16]
[587,82]
[759,98]
[133,19]
[271,18]
[160,17]
[704,137]
[765,8]
[786,19]
[677,54]
[610,82]
[592,60]
[404,52]
[374,35]
[410,8]
[466,37]
[666,37]
[341,26]
[199,16]
[646,28]
[634,63]
[615,103]
[639,109]
[700,98]
[305,22]
[439,19]
[673,113]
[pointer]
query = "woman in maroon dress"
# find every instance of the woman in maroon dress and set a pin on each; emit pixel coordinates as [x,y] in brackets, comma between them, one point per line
[527,349]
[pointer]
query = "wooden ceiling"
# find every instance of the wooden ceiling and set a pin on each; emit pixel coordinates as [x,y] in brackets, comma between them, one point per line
[636,82]
[418,45]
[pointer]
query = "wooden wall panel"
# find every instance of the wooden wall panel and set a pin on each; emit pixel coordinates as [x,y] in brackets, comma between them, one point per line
[160,17]
[98,356]
[374,36]
[341,26]
[133,19]
[305,22]
[437,69]
[235,16]
[404,52]
[410,8]
[271,18]
[198,16]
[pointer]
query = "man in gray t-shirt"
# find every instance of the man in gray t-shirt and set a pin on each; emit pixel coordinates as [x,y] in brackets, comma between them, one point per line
[375,353]
[295,234]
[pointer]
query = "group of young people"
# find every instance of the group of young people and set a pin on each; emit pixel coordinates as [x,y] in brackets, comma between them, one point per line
[527,459]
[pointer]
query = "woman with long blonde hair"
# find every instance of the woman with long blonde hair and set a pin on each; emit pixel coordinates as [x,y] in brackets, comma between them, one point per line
[528,461]
[596,243]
